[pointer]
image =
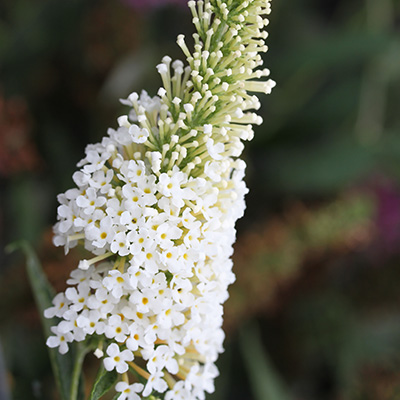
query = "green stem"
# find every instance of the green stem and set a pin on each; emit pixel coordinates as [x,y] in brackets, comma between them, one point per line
[76,372]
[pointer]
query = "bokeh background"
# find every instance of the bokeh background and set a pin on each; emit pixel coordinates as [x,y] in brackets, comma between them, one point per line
[315,311]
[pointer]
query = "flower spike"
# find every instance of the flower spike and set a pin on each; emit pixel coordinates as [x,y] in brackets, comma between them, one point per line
[156,204]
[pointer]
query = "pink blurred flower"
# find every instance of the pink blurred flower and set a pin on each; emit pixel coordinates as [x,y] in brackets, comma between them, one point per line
[388,215]
[149,4]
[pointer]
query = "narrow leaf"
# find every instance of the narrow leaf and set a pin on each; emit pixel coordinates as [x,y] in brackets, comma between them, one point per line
[43,292]
[105,380]
[265,382]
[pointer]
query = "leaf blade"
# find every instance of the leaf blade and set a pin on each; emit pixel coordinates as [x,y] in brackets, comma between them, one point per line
[103,383]
[265,382]
[43,293]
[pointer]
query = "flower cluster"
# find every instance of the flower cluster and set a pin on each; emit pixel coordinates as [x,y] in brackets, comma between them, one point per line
[156,204]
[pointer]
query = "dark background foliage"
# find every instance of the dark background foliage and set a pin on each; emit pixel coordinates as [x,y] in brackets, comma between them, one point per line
[314,314]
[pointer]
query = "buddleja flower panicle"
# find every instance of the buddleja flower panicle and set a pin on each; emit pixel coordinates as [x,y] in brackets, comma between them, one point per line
[156,204]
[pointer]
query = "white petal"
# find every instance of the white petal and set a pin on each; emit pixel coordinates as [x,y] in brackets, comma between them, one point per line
[109,364]
[122,367]
[53,341]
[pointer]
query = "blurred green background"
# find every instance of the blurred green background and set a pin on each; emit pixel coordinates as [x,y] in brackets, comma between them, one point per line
[314,314]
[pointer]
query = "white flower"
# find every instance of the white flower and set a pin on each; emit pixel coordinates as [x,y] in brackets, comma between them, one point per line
[120,244]
[60,303]
[103,301]
[170,257]
[142,300]
[69,324]
[61,340]
[171,315]
[154,332]
[138,135]
[166,233]
[113,207]
[68,215]
[94,161]
[101,235]
[116,329]
[89,201]
[78,298]
[116,283]
[170,186]
[215,150]
[213,170]
[155,382]
[150,258]
[162,357]
[136,338]
[148,190]
[134,198]
[101,180]
[90,322]
[128,392]
[117,359]
[132,170]
[202,378]
[179,392]
[81,178]
[132,219]
[138,276]
[81,277]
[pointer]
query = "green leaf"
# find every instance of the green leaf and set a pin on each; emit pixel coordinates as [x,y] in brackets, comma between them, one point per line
[67,367]
[105,380]
[325,167]
[43,292]
[337,50]
[264,379]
